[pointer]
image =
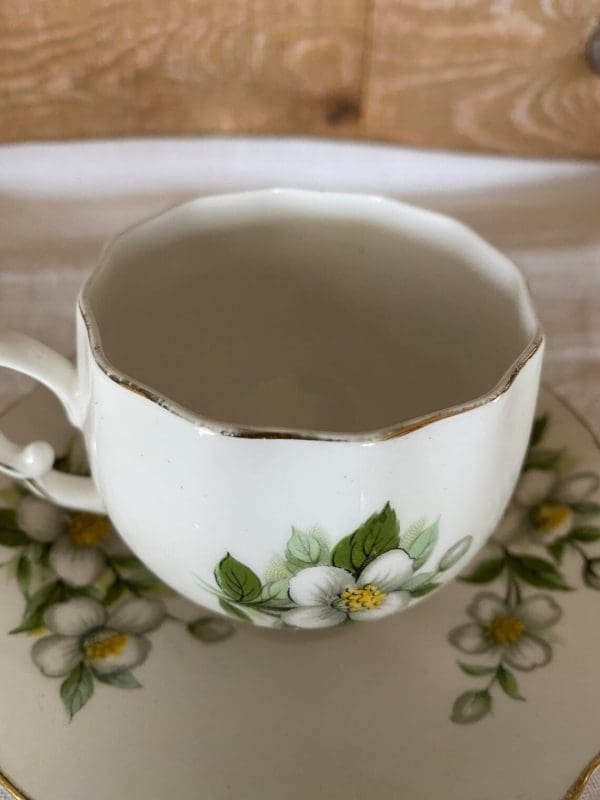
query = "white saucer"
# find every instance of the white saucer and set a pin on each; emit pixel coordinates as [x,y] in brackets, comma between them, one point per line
[360,712]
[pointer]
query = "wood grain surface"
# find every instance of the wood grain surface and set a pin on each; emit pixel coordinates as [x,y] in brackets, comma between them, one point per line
[497,75]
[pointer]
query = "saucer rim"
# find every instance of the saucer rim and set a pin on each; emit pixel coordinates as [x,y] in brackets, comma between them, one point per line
[576,788]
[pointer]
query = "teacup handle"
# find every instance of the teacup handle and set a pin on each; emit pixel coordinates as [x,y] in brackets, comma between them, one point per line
[32,463]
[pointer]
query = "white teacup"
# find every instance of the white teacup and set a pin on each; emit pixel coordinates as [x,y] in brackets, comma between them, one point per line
[300,408]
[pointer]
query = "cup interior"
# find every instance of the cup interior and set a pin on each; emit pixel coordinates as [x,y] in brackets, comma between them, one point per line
[309,311]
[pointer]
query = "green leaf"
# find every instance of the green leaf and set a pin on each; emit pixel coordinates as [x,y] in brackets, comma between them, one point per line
[586,508]
[127,562]
[557,548]
[538,430]
[421,591]
[486,571]
[77,689]
[422,546]
[542,459]
[585,533]
[46,596]
[123,679]
[142,581]
[418,580]
[411,533]
[379,534]
[455,553]
[114,592]
[86,591]
[590,572]
[537,572]
[210,629]
[474,669]
[234,611]
[341,555]
[24,575]
[237,580]
[508,682]
[276,593]
[471,707]
[10,533]
[303,550]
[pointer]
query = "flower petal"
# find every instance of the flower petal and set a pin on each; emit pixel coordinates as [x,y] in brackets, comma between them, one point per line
[77,566]
[56,655]
[74,617]
[485,607]
[39,519]
[576,487]
[134,652]
[534,486]
[470,638]
[395,601]
[319,585]
[137,615]
[388,572]
[529,653]
[313,617]
[538,611]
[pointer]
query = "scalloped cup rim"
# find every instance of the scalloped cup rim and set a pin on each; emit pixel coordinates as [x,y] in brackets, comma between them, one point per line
[224,428]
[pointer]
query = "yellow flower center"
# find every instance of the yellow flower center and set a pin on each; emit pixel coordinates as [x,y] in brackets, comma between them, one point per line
[358,599]
[546,517]
[103,648]
[505,631]
[87,530]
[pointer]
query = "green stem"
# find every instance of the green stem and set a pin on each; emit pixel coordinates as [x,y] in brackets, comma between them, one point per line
[173,618]
[120,577]
[576,546]
[494,677]
[512,596]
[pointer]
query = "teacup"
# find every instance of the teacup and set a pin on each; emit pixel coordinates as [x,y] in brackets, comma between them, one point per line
[301,409]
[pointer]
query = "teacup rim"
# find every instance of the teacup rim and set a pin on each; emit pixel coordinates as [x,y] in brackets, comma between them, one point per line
[223,428]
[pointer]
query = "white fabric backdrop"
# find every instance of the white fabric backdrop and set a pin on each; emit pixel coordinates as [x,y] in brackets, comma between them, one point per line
[59,203]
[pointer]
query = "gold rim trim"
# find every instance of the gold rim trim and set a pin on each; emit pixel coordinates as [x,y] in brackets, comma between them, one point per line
[223,428]
[580,785]
[11,789]
[241,432]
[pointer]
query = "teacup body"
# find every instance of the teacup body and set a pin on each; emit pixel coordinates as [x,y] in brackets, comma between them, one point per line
[303,409]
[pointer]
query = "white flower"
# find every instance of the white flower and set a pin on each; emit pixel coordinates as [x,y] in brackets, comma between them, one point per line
[513,631]
[83,630]
[542,506]
[40,520]
[74,555]
[328,596]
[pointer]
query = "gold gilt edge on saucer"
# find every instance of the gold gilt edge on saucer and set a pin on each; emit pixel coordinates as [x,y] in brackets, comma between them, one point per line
[12,790]
[574,792]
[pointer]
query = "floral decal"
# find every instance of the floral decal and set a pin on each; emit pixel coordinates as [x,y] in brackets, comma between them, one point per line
[373,572]
[552,513]
[89,603]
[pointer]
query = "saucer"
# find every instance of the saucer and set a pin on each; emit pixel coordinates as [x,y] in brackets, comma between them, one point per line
[110,686]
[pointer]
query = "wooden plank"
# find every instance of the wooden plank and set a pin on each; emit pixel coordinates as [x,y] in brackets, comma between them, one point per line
[503,75]
[79,68]
[473,74]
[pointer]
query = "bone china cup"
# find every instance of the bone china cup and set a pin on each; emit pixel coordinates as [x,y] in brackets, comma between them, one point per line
[301,409]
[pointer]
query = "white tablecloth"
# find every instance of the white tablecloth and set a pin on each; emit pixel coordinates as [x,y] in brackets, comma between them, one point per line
[60,203]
